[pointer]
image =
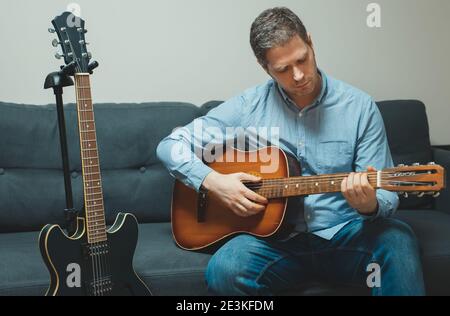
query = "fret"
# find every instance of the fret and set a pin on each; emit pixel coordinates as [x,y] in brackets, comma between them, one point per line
[89,149]
[83,87]
[90,166]
[97,240]
[88,131]
[93,200]
[87,121]
[84,99]
[89,140]
[94,194]
[97,233]
[96,187]
[95,214]
[96,218]
[94,203]
[97,226]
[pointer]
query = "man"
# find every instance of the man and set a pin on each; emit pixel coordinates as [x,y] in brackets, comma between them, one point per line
[329,127]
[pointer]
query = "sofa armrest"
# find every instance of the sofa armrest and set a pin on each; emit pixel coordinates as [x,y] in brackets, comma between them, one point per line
[442,157]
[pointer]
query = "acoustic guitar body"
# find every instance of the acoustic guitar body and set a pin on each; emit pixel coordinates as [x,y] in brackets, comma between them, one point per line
[194,229]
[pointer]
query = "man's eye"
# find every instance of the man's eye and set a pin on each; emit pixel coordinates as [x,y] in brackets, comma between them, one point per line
[282,70]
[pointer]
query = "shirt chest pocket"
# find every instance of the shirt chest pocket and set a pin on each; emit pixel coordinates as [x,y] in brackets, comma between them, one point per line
[334,156]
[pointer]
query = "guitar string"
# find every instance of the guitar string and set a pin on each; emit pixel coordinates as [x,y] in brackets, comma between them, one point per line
[90,250]
[385,175]
[93,261]
[93,245]
[310,185]
[98,289]
[323,182]
[304,180]
[101,246]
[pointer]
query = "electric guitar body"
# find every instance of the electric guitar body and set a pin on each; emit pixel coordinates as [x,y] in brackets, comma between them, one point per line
[71,261]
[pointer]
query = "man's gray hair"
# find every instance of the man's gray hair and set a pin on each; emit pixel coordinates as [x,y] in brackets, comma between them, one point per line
[273,28]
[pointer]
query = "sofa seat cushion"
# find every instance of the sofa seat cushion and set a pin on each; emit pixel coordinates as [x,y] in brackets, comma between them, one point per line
[164,267]
[169,270]
[431,228]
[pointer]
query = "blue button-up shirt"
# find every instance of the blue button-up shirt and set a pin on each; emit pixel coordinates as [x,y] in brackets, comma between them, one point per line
[341,131]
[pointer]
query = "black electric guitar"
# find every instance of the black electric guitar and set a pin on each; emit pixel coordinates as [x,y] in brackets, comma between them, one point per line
[94,260]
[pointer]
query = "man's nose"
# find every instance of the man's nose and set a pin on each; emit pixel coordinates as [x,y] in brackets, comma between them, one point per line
[298,74]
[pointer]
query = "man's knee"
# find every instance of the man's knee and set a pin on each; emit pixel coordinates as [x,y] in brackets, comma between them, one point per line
[396,239]
[227,266]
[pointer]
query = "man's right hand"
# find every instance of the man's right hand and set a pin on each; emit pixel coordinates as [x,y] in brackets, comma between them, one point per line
[230,191]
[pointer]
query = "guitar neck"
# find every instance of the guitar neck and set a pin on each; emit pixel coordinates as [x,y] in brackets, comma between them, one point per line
[294,186]
[92,183]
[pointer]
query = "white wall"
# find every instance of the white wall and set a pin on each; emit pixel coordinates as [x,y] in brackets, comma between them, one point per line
[197,50]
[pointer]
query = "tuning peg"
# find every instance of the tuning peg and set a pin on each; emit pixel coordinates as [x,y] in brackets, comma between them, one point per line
[81,30]
[431,163]
[58,55]
[405,195]
[50,30]
[421,194]
[436,194]
[92,66]
[416,164]
[401,165]
[83,42]
[55,43]
[88,55]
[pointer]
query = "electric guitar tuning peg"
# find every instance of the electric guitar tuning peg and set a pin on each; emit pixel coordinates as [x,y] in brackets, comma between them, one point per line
[416,164]
[405,195]
[58,55]
[401,165]
[431,163]
[436,194]
[421,194]
[55,43]
[50,30]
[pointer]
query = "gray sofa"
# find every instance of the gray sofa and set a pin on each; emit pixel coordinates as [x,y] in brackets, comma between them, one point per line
[32,191]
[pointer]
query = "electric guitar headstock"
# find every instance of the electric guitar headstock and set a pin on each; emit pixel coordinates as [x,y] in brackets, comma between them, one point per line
[71,38]
[415,180]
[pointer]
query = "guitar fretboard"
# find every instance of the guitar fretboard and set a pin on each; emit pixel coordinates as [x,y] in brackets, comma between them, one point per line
[294,186]
[92,183]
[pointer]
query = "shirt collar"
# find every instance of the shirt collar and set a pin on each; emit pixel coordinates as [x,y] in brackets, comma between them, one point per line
[316,101]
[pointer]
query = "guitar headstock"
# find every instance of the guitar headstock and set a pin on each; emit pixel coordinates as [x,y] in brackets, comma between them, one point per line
[416,179]
[71,38]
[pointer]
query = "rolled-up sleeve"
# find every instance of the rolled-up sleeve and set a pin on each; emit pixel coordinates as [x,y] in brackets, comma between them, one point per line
[372,149]
[183,151]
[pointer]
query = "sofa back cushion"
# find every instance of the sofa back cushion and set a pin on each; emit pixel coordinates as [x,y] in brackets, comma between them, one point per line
[409,140]
[31,178]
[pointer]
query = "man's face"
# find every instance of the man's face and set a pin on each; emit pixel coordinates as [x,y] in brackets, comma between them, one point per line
[294,67]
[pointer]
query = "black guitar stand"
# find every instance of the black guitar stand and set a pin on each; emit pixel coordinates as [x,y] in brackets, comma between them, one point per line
[58,80]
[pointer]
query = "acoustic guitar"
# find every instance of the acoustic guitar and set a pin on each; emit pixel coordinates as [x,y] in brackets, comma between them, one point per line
[94,261]
[199,220]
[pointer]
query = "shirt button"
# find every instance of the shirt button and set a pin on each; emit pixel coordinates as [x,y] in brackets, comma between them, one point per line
[300,114]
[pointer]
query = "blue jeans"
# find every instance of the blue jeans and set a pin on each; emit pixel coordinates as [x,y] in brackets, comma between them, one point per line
[247,265]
